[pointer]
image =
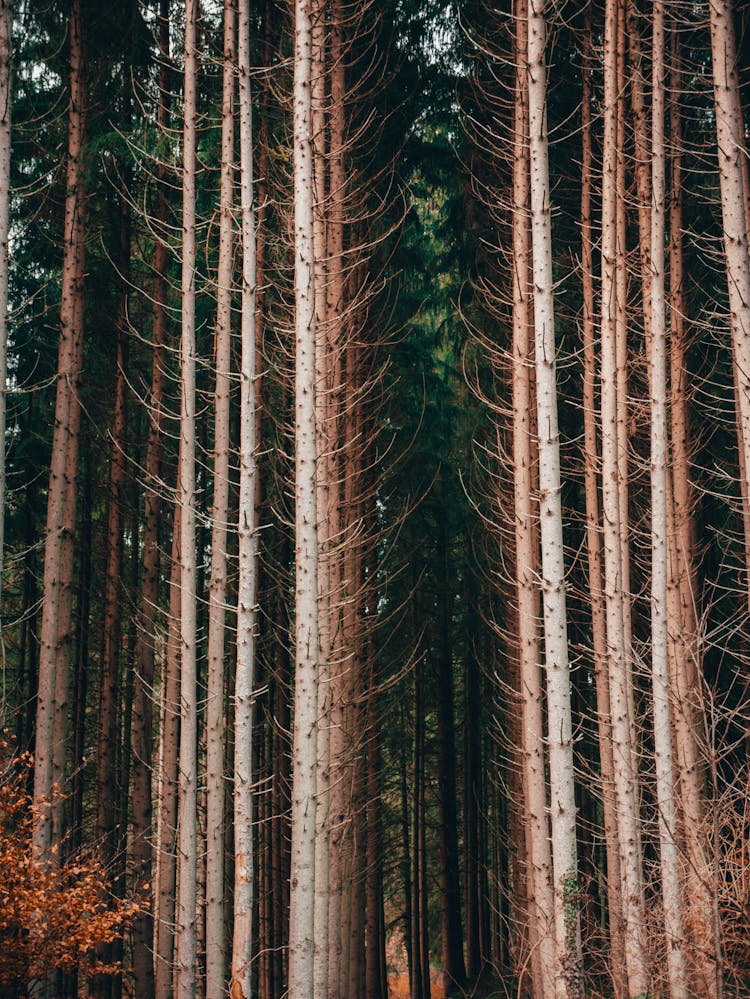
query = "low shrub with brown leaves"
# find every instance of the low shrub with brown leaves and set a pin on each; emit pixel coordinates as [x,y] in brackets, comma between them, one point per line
[53,916]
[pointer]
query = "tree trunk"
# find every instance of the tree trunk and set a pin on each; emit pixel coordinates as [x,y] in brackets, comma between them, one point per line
[669,860]
[339,396]
[55,628]
[593,538]
[539,901]
[454,973]
[6,83]
[615,596]
[406,858]
[166,833]
[305,732]
[142,852]
[325,950]
[622,376]
[185,967]
[248,550]
[687,694]
[559,726]
[422,924]
[473,803]
[730,138]
[80,674]
[109,700]
[217,588]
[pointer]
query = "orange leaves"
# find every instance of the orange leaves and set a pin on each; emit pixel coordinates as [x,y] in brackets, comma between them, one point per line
[53,915]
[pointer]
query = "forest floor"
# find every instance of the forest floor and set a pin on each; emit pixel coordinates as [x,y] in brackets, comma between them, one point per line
[398,987]
[489,988]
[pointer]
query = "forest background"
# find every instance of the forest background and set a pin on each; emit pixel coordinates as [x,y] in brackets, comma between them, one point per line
[330,661]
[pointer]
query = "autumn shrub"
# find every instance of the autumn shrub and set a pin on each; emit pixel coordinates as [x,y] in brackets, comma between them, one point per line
[53,915]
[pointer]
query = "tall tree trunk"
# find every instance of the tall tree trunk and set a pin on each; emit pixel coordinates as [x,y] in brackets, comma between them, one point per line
[166,832]
[185,969]
[248,549]
[374,940]
[687,694]
[109,701]
[454,973]
[338,509]
[559,725]
[282,801]
[305,732]
[80,673]
[730,138]
[642,167]
[61,493]
[615,597]
[124,764]
[347,679]
[217,589]
[421,913]
[142,853]
[325,950]
[406,867]
[6,82]
[473,804]
[593,538]
[669,860]
[622,375]
[540,906]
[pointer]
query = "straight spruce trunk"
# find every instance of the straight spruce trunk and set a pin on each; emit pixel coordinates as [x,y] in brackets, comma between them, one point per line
[217,587]
[80,672]
[594,540]
[185,917]
[687,693]
[6,82]
[110,706]
[540,906]
[668,855]
[165,880]
[339,396]
[618,654]
[142,799]
[52,679]
[242,941]
[306,644]
[559,717]
[454,973]
[325,949]
[622,373]
[473,802]
[730,140]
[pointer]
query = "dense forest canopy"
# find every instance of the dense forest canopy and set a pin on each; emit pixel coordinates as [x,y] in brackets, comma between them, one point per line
[375,499]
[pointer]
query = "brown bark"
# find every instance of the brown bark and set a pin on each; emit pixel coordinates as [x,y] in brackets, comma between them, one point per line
[307,651]
[538,861]
[422,934]
[166,833]
[338,466]
[217,591]
[185,909]
[109,701]
[686,681]
[80,676]
[454,973]
[473,804]
[58,552]
[142,853]
[615,549]
[593,538]
[6,83]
